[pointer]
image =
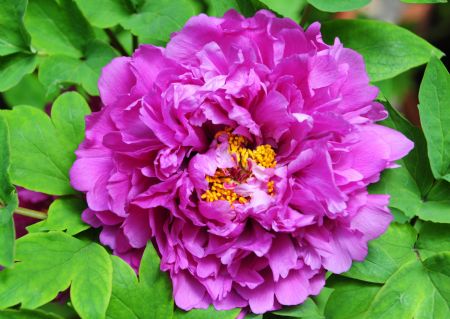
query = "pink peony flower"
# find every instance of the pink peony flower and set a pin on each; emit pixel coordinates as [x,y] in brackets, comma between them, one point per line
[243,150]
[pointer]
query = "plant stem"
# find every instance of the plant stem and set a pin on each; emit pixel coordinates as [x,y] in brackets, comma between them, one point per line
[115,42]
[306,12]
[30,213]
[135,42]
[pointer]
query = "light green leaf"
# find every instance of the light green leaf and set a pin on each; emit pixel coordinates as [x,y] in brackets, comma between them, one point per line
[68,115]
[350,298]
[434,109]
[156,20]
[64,214]
[26,314]
[433,238]
[206,314]
[112,11]
[13,36]
[58,27]
[338,6]
[386,255]
[387,49]
[415,290]
[287,8]
[14,67]
[8,200]
[49,263]
[60,69]
[436,207]
[35,93]
[40,154]
[150,297]
[412,292]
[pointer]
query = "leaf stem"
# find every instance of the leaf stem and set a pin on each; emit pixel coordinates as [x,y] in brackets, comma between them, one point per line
[30,213]
[115,42]
[135,42]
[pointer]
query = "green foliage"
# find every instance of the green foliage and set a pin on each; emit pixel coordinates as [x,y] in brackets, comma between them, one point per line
[148,297]
[40,154]
[388,50]
[14,67]
[26,314]
[64,215]
[206,314]
[13,36]
[49,263]
[245,7]
[434,108]
[35,93]
[338,6]
[111,14]
[8,201]
[286,8]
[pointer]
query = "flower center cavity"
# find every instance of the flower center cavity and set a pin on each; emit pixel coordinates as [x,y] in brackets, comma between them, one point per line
[225,180]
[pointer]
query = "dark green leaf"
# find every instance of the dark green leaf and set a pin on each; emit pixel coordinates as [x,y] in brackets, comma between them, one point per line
[150,297]
[58,27]
[63,214]
[156,20]
[40,154]
[434,108]
[338,6]
[386,255]
[35,93]
[433,238]
[246,7]
[48,263]
[8,200]
[60,69]
[308,310]
[112,12]
[387,49]
[26,314]
[287,8]
[13,36]
[14,67]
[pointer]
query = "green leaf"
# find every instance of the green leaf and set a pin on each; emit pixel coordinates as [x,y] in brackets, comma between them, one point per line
[58,27]
[156,20]
[68,114]
[26,314]
[386,255]
[308,310]
[41,155]
[408,184]
[246,7]
[338,6]
[14,67]
[49,263]
[387,49]
[8,200]
[35,93]
[13,36]
[436,207]
[433,238]
[206,314]
[434,109]
[287,8]
[59,69]
[112,11]
[64,214]
[413,292]
[150,297]
[350,298]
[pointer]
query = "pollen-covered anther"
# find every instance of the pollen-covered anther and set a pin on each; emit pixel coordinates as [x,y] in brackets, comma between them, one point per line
[221,185]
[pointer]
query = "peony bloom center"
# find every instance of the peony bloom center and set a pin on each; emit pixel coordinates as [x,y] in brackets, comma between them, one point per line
[223,184]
